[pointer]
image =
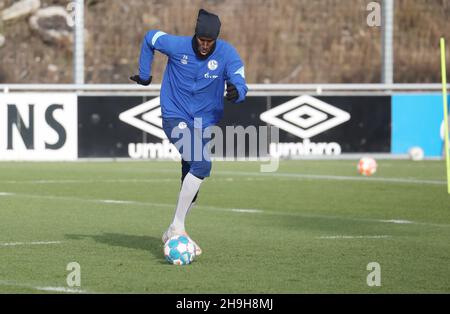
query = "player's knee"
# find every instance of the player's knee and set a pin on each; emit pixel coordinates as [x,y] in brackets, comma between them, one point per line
[185,167]
[207,168]
[201,169]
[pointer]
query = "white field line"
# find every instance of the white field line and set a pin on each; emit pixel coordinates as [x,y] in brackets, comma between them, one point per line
[398,221]
[257,175]
[337,237]
[326,217]
[29,243]
[93,181]
[316,177]
[60,289]
[115,202]
[206,207]
[250,211]
[43,288]
[334,178]
[76,199]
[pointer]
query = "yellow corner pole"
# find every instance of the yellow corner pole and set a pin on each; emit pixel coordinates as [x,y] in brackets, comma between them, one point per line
[445,101]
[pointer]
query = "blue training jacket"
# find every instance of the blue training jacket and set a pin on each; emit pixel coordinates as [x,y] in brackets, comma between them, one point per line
[191,87]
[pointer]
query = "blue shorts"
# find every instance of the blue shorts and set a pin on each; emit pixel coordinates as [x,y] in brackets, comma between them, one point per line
[191,145]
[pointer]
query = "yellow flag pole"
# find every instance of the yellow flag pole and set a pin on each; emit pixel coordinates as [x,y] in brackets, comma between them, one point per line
[445,101]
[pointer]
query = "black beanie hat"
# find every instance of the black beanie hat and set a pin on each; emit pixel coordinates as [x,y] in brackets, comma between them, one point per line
[208,25]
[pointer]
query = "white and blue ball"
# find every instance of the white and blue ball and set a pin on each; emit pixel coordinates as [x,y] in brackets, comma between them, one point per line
[179,250]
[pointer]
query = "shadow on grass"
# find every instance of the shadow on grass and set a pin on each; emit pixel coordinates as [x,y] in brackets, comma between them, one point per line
[145,243]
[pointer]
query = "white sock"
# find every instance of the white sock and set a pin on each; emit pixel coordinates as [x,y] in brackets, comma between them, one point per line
[191,185]
[189,209]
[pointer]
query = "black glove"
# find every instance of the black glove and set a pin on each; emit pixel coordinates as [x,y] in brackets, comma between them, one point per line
[140,81]
[232,93]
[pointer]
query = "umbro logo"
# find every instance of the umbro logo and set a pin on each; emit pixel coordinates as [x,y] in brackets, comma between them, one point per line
[146,117]
[305,116]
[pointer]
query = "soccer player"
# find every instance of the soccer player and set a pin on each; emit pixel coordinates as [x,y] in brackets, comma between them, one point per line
[192,92]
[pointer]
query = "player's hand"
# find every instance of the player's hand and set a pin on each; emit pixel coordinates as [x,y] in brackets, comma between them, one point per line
[232,93]
[140,81]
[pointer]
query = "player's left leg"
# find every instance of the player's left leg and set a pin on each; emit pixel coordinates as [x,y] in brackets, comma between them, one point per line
[194,169]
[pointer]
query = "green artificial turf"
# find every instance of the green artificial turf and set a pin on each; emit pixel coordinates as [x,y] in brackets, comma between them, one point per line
[310,227]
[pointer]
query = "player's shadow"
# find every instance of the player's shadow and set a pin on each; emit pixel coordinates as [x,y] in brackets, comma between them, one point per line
[145,243]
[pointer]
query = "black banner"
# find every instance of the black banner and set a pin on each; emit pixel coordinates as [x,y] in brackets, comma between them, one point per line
[130,126]
[100,131]
[367,130]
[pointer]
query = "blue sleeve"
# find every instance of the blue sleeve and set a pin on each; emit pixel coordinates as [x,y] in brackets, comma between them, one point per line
[235,73]
[154,40]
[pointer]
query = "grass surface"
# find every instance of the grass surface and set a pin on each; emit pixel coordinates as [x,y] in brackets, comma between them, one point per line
[310,227]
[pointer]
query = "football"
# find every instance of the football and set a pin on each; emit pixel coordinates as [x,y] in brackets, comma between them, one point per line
[416,153]
[179,250]
[367,166]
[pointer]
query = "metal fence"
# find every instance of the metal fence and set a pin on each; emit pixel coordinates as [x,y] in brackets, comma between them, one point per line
[254,89]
